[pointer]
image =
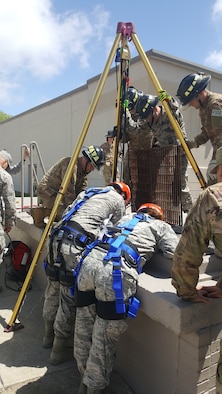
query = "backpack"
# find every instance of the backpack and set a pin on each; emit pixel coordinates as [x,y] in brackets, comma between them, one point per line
[17,257]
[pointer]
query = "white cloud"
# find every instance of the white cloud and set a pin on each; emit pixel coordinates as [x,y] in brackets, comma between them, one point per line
[36,40]
[214,59]
[6,90]
[217,10]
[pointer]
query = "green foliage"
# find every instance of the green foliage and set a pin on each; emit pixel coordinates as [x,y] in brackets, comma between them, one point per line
[4,116]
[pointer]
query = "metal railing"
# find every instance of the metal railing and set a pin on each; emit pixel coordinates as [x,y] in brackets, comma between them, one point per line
[32,173]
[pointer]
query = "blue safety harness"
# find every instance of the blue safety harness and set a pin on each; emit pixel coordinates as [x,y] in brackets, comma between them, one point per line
[117,247]
[91,191]
[62,230]
[116,250]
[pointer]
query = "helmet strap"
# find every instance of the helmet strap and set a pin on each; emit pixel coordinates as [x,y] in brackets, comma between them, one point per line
[200,102]
[152,121]
[86,164]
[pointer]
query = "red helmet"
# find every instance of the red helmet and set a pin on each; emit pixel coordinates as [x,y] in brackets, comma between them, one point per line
[122,187]
[154,210]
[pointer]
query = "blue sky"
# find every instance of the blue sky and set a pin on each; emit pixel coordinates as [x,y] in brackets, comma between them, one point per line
[50,47]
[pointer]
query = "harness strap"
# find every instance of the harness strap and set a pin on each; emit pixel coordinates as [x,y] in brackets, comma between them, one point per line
[107,309]
[78,266]
[88,194]
[76,234]
[84,298]
[62,229]
[115,253]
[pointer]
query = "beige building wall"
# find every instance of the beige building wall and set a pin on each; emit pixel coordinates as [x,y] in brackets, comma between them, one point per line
[57,125]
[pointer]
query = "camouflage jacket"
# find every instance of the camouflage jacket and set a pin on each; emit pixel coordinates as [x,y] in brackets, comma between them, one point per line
[150,236]
[7,193]
[138,138]
[203,223]
[96,209]
[109,153]
[162,129]
[12,170]
[211,122]
[51,181]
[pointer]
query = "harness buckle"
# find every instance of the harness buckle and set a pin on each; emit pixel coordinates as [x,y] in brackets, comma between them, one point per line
[133,307]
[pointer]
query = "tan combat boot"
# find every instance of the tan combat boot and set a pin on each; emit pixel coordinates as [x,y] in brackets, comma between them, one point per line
[38,214]
[60,353]
[49,334]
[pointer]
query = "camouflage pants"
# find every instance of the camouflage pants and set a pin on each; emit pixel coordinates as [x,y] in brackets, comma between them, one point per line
[95,339]
[51,302]
[219,372]
[48,202]
[186,197]
[59,307]
[2,243]
[59,303]
[65,317]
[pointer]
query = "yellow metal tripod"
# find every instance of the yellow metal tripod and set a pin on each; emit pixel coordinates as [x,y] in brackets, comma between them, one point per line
[125,32]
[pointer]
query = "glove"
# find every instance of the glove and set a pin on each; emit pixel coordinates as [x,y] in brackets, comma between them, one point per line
[163,95]
[191,144]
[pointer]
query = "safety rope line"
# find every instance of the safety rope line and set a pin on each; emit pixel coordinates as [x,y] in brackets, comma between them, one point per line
[123,57]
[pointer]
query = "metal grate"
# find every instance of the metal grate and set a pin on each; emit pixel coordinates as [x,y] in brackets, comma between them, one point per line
[156,178]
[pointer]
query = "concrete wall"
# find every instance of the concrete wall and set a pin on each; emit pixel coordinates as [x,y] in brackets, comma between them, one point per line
[57,125]
[172,346]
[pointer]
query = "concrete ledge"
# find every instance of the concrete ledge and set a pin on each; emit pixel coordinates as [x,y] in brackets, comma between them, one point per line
[178,338]
[158,297]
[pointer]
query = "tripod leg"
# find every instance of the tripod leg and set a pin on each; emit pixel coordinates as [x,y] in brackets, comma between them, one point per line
[65,181]
[172,119]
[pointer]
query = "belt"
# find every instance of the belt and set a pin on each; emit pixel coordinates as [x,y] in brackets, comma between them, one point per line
[128,252]
[75,232]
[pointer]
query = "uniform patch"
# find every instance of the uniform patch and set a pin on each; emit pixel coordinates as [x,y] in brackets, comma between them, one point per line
[216,118]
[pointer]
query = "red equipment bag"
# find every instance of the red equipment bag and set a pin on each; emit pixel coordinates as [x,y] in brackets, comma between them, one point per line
[20,256]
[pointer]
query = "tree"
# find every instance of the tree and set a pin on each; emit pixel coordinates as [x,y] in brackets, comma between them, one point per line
[4,116]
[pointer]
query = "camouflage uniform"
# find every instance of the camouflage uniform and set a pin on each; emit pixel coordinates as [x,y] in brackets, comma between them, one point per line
[108,166]
[50,184]
[47,192]
[90,217]
[12,170]
[164,133]
[211,121]
[95,338]
[203,223]
[8,210]
[137,139]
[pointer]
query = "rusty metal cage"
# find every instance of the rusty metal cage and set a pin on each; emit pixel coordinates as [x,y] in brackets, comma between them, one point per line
[156,177]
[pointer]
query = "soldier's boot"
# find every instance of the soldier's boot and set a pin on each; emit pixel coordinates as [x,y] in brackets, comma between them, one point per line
[38,214]
[49,334]
[60,353]
[91,391]
[82,387]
